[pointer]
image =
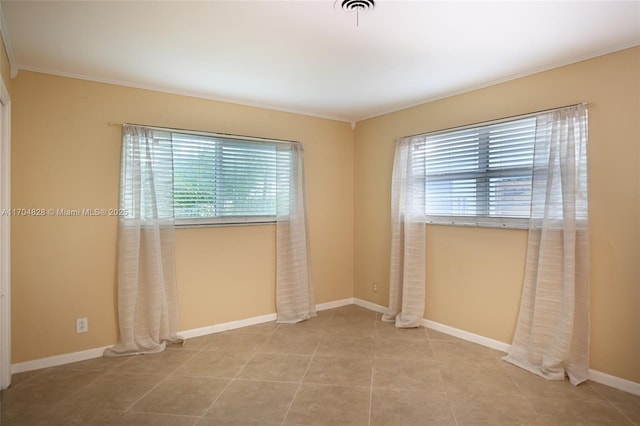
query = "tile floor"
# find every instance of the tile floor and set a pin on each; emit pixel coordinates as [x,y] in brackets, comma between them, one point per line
[345,367]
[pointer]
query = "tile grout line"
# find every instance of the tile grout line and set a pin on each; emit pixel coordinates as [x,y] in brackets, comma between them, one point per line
[226,387]
[608,404]
[202,349]
[373,366]
[77,391]
[157,384]
[524,394]
[446,391]
[315,351]
[604,397]
[195,352]
[234,377]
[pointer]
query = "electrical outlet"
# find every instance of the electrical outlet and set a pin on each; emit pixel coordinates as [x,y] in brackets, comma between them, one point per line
[82,325]
[375,287]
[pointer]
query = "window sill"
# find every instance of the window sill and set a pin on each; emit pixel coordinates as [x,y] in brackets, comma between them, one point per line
[227,221]
[480,222]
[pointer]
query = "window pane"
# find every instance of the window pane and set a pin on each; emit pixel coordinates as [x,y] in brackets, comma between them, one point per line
[217,177]
[248,179]
[511,144]
[195,179]
[452,152]
[480,172]
[510,196]
[452,197]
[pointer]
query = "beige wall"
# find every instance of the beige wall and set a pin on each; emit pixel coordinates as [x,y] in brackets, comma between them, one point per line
[5,66]
[66,156]
[474,276]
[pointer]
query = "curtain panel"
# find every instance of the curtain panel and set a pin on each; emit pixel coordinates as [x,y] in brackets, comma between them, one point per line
[294,289]
[408,245]
[552,332]
[147,290]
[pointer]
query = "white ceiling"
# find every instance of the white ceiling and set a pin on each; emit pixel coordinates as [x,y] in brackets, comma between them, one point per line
[310,56]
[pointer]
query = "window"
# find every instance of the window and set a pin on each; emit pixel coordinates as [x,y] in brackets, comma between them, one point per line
[221,179]
[478,175]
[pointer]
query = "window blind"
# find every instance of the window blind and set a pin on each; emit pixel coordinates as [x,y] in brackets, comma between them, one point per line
[218,179]
[479,175]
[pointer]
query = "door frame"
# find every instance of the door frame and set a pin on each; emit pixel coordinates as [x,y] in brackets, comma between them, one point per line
[5,237]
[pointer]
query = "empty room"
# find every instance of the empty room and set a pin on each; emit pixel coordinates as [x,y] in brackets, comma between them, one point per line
[351,212]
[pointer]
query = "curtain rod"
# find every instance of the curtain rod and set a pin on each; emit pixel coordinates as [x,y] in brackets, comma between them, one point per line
[202,133]
[228,135]
[498,120]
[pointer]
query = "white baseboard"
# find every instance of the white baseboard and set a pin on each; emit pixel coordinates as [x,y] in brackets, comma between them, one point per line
[446,329]
[56,360]
[334,304]
[232,325]
[53,361]
[594,375]
[217,328]
[615,382]
[466,335]
[369,305]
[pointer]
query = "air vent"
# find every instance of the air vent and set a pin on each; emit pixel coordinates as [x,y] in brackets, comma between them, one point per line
[357,5]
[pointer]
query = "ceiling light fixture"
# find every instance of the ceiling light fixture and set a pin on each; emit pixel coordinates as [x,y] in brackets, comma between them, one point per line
[356,6]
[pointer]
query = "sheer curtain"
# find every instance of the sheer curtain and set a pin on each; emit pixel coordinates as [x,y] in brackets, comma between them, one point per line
[147,290]
[552,333]
[407,274]
[294,291]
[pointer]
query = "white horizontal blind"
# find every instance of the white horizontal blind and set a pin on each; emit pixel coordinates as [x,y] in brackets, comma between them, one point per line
[477,176]
[223,180]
